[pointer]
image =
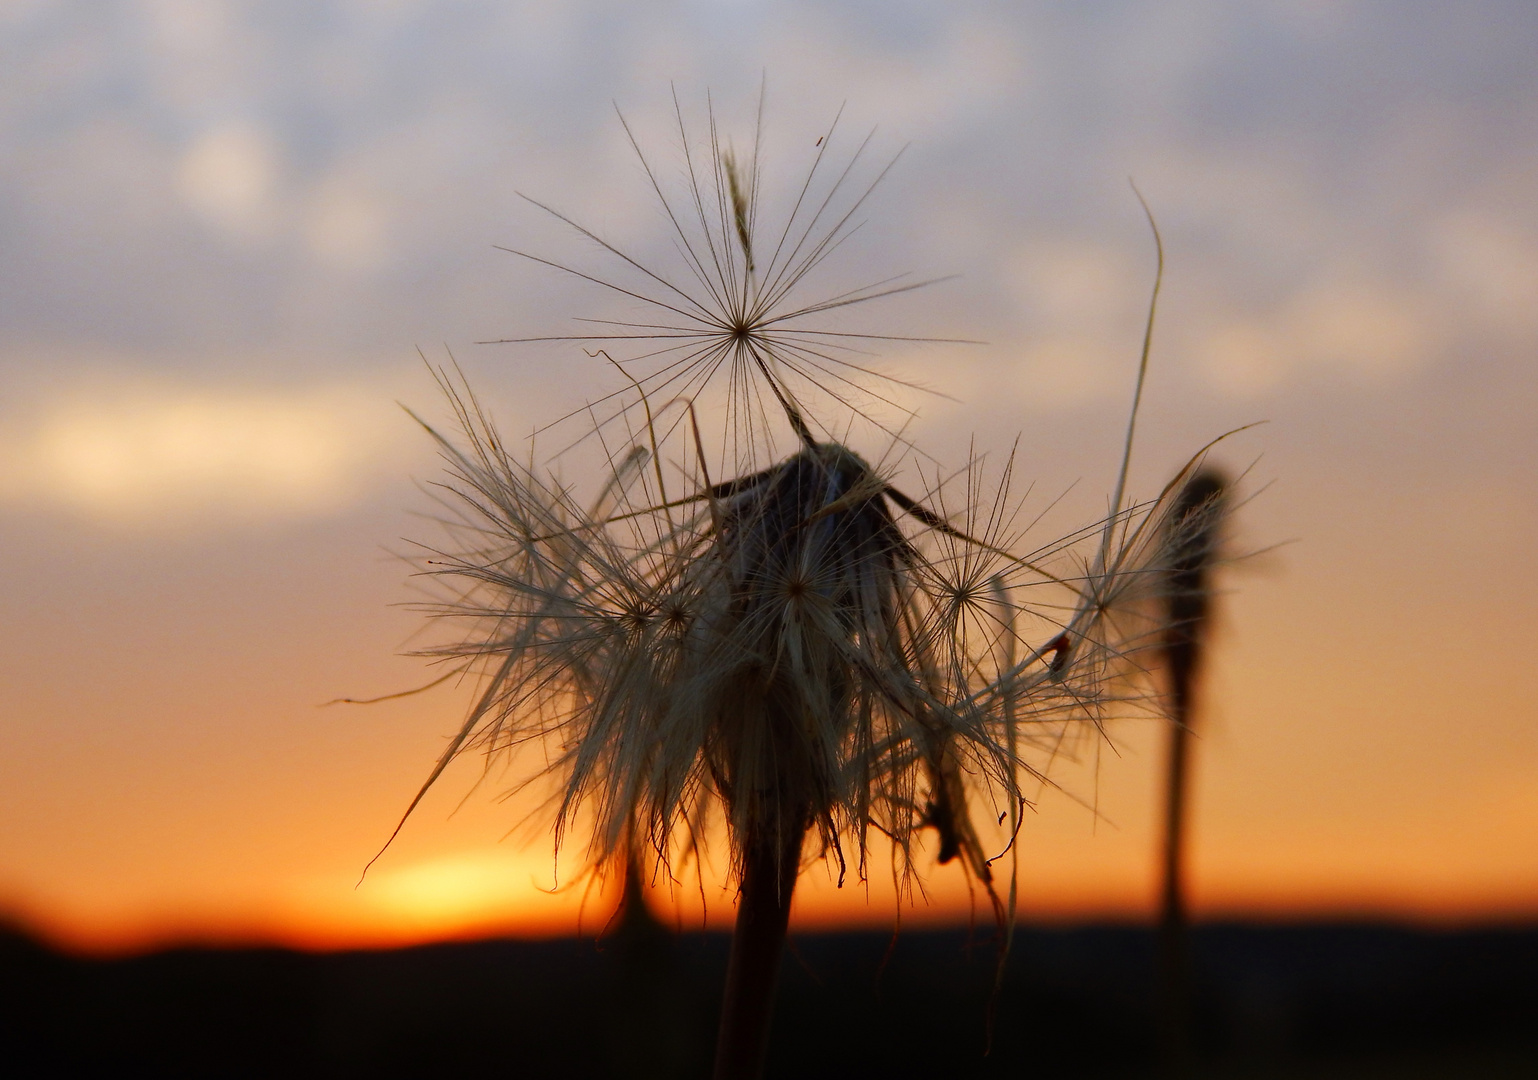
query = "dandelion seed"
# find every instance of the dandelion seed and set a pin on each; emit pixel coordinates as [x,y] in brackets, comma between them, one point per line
[744,302]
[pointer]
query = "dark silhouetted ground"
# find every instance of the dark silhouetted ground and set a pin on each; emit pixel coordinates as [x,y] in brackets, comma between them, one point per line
[1305,1001]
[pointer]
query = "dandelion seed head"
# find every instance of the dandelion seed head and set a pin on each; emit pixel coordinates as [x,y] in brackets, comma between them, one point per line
[795,644]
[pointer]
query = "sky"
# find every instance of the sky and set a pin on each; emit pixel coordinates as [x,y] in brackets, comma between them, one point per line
[230,232]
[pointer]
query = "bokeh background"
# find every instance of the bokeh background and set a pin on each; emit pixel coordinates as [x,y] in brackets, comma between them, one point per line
[226,229]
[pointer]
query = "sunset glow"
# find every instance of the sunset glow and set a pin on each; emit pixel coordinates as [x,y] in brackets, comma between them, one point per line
[227,235]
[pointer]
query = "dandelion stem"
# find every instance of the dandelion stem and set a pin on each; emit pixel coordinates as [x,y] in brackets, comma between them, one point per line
[1190,546]
[771,860]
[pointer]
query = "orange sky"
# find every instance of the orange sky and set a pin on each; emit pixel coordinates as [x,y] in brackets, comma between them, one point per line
[219,276]
[180,781]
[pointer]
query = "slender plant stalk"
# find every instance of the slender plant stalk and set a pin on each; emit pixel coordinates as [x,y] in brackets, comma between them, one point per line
[1192,546]
[770,864]
[652,1035]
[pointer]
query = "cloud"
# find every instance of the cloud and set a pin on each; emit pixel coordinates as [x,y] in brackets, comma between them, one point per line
[1347,323]
[166,456]
[347,227]
[1492,266]
[365,157]
[229,177]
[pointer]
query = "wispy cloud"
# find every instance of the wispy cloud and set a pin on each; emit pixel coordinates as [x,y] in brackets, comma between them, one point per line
[152,456]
